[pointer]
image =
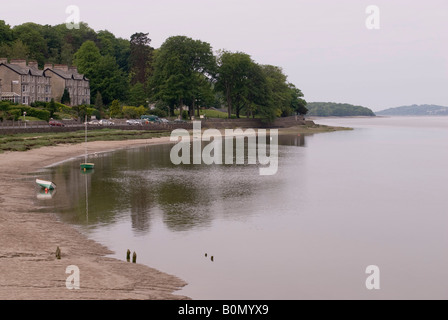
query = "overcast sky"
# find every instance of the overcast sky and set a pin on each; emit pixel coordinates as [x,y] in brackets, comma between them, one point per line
[323,46]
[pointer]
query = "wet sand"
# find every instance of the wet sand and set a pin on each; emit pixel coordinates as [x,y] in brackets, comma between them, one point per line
[28,266]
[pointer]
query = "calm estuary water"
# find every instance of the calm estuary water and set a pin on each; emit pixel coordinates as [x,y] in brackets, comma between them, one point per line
[340,202]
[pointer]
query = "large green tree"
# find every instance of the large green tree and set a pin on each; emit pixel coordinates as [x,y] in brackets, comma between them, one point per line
[298,104]
[99,105]
[110,80]
[140,58]
[6,35]
[31,35]
[116,47]
[104,73]
[17,50]
[137,95]
[279,91]
[87,58]
[255,89]
[241,81]
[178,66]
[203,94]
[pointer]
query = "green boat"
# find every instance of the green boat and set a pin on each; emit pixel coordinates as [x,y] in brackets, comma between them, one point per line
[46,184]
[87,166]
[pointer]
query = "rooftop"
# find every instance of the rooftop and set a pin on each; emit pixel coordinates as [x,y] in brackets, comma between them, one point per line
[71,73]
[20,67]
[23,70]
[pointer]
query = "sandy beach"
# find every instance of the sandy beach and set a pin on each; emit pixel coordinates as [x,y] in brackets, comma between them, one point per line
[28,266]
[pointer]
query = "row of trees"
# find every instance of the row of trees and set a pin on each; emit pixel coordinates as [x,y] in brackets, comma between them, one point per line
[186,73]
[183,72]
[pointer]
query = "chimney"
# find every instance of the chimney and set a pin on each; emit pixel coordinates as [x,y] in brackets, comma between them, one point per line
[48,66]
[3,60]
[62,67]
[73,69]
[33,64]
[20,63]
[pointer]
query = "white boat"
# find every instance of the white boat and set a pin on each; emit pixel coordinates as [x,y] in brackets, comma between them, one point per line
[46,184]
[46,194]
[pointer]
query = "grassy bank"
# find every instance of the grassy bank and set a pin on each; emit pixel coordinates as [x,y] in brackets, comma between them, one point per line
[28,141]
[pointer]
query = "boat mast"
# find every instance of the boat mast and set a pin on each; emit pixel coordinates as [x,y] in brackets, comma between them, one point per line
[85,123]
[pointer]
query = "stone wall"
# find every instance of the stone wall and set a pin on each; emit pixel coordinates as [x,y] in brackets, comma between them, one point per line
[10,127]
[45,128]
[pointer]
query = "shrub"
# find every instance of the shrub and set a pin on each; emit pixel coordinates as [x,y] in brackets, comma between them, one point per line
[4,105]
[65,97]
[14,114]
[158,112]
[115,109]
[141,111]
[39,104]
[64,109]
[92,112]
[130,112]
[30,111]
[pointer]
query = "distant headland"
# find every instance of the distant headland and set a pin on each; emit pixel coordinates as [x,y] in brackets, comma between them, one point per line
[415,110]
[332,109]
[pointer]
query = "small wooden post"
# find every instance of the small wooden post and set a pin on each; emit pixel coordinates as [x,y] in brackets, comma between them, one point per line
[134,257]
[58,253]
[128,256]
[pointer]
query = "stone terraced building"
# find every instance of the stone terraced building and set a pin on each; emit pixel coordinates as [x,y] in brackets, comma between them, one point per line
[25,83]
[64,77]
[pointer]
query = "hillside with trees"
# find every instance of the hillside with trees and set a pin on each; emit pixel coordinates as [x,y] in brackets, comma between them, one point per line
[332,109]
[415,110]
[182,73]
